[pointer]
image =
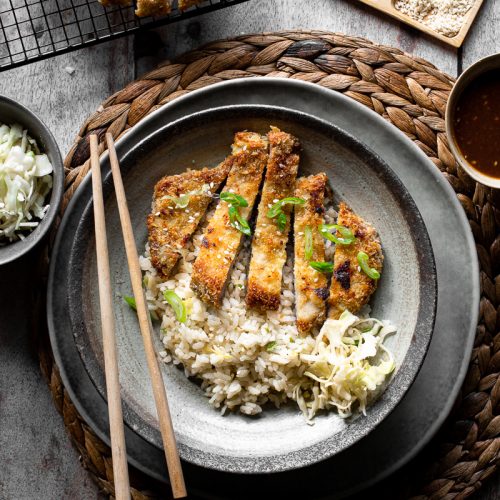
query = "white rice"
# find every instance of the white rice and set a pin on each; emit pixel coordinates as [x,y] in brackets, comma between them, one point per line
[243,358]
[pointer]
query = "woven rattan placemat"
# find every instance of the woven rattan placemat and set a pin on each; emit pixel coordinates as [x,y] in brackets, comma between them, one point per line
[410,93]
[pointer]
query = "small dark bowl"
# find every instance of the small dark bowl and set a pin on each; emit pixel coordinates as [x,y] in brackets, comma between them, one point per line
[12,112]
[466,78]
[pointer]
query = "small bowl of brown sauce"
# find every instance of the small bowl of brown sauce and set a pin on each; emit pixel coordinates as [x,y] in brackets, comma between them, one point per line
[473,121]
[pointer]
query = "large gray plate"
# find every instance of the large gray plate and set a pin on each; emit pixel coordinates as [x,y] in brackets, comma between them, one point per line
[275,440]
[457,271]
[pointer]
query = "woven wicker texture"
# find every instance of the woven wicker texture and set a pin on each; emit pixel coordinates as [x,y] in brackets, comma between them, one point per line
[410,93]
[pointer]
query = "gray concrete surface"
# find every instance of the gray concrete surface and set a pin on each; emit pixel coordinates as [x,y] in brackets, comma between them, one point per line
[37,460]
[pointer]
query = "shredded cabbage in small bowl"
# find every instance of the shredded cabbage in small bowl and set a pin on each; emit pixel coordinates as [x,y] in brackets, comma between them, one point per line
[348,363]
[25,181]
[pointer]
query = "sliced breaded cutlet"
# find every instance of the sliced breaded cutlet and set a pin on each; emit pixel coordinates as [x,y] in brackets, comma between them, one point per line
[351,288]
[123,3]
[147,8]
[170,227]
[186,4]
[311,288]
[221,241]
[269,242]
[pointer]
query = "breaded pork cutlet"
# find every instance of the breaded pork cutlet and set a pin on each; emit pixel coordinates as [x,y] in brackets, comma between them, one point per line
[311,289]
[179,204]
[222,241]
[147,8]
[185,4]
[123,3]
[351,287]
[269,241]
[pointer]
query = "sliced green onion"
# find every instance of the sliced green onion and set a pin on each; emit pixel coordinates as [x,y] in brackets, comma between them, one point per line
[369,271]
[322,267]
[234,199]
[270,346]
[308,243]
[348,235]
[177,305]
[238,222]
[131,302]
[276,211]
[278,206]
[180,202]
[281,221]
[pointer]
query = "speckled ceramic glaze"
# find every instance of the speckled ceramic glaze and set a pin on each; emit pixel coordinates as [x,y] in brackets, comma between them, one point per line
[276,440]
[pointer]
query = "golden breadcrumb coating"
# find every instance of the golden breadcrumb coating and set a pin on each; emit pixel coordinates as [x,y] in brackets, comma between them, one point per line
[147,8]
[221,241]
[311,286]
[171,228]
[351,288]
[185,4]
[269,242]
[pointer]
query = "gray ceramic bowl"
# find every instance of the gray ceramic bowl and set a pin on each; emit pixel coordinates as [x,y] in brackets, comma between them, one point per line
[277,440]
[466,78]
[12,112]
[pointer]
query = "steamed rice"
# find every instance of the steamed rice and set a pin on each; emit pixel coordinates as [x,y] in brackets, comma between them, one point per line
[245,358]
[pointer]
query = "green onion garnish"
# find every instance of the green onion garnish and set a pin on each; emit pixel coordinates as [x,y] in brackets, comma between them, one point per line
[369,271]
[177,305]
[276,211]
[234,199]
[131,302]
[308,243]
[281,221]
[183,200]
[180,202]
[347,235]
[270,346]
[277,208]
[238,222]
[322,267]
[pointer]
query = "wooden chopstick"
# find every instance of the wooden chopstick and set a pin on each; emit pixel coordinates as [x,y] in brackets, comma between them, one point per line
[160,395]
[119,453]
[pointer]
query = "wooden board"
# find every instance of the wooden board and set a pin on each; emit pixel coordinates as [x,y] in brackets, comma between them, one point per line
[387,6]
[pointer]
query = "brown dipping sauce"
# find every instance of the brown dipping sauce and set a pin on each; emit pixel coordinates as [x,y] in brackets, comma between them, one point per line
[477,123]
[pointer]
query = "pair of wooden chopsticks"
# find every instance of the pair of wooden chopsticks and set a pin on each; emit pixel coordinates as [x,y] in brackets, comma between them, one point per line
[120,470]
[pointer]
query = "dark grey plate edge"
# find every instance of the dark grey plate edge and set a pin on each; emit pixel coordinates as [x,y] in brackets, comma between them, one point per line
[429,294]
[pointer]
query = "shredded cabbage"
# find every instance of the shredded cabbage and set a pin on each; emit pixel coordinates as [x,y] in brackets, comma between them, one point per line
[25,181]
[347,365]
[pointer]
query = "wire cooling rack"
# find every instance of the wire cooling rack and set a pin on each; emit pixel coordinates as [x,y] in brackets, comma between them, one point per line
[31,30]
